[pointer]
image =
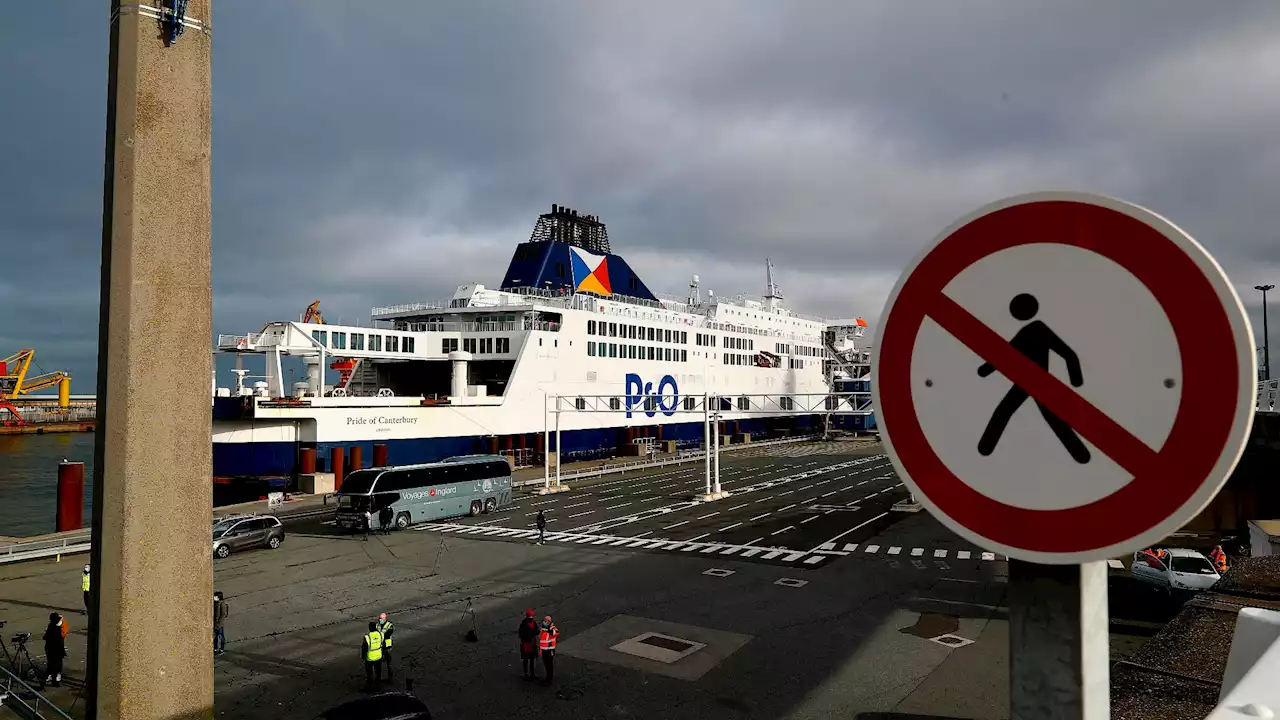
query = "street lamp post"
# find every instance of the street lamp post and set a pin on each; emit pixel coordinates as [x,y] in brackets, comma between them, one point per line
[1266,339]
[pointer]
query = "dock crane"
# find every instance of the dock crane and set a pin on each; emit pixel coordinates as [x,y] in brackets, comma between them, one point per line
[14,383]
[346,367]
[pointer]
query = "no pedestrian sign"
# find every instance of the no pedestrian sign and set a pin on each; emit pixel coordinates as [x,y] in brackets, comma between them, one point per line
[1064,377]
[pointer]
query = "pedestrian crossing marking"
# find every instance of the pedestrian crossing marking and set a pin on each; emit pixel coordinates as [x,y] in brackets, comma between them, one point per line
[1116,564]
[786,555]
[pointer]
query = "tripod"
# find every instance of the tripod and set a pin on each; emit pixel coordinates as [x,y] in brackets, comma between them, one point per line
[26,671]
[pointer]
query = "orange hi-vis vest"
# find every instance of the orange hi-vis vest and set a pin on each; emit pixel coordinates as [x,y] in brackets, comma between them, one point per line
[547,638]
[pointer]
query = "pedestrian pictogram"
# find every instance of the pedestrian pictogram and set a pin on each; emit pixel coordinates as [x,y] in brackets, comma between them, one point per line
[1036,341]
[1064,377]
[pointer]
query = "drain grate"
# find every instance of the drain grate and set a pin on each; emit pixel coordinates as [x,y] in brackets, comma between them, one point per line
[950,640]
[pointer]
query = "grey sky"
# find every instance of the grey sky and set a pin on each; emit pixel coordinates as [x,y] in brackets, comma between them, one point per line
[381,153]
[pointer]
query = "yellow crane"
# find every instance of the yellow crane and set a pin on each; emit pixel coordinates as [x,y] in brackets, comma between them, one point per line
[14,383]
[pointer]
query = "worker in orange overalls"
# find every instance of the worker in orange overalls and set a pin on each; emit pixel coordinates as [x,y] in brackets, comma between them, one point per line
[1219,558]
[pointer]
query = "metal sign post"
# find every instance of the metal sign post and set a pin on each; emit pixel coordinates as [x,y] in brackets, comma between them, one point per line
[1105,420]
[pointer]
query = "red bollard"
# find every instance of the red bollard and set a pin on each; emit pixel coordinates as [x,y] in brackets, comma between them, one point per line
[356,458]
[335,467]
[308,461]
[70,496]
[379,455]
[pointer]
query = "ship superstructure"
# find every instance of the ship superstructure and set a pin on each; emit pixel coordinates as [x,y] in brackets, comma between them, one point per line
[474,373]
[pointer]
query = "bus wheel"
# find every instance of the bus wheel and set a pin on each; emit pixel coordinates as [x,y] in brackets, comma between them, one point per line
[490,505]
[475,508]
[402,520]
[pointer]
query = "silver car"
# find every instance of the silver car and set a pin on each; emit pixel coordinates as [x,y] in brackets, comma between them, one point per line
[245,532]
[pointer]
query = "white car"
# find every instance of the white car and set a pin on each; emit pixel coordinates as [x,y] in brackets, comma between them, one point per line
[1181,569]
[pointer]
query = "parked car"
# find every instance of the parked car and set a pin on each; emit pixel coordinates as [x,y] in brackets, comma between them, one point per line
[1179,569]
[242,532]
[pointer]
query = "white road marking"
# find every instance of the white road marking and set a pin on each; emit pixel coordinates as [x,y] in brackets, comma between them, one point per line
[764,498]
[962,555]
[805,502]
[1115,564]
[649,532]
[827,546]
[582,513]
[753,542]
[988,556]
[779,532]
[615,507]
[787,507]
[735,507]
[544,502]
[815,517]
[704,517]
[566,507]
[917,552]
[857,527]
[759,516]
[833,492]
[873,549]
[939,553]
[730,527]
[813,560]
[685,522]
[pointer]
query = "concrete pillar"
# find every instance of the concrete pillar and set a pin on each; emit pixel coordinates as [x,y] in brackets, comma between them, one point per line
[153,363]
[458,380]
[70,496]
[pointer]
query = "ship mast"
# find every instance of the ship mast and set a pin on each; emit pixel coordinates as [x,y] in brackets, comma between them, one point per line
[773,295]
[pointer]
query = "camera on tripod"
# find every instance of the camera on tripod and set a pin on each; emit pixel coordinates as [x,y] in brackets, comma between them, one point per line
[20,638]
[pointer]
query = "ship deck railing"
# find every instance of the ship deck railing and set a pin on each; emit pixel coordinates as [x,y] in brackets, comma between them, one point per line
[36,548]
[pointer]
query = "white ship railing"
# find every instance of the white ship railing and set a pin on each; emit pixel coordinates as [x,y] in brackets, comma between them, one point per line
[66,544]
[1268,396]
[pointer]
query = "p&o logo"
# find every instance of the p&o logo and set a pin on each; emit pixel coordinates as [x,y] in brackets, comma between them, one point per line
[664,400]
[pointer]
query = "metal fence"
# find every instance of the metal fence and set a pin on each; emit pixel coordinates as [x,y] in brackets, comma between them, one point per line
[25,700]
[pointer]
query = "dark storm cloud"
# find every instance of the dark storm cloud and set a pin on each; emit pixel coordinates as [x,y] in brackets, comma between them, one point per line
[375,154]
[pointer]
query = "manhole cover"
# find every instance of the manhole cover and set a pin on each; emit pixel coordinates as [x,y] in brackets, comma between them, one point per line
[656,646]
[954,641]
[667,643]
[718,572]
[790,582]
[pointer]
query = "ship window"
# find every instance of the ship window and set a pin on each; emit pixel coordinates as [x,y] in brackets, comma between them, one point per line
[393,343]
[448,345]
[632,332]
[591,327]
[339,341]
[375,343]
[751,344]
[357,341]
[469,345]
[668,354]
[684,356]
[688,403]
[324,337]
[580,403]
[787,403]
[613,350]
[650,334]
[614,403]
[613,329]
[650,352]
[591,349]
[744,403]
[504,345]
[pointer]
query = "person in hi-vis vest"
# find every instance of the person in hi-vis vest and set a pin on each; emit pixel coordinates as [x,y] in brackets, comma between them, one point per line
[371,651]
[84,585]
[385,629]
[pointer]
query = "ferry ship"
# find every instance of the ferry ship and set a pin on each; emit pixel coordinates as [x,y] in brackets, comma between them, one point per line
[478,372]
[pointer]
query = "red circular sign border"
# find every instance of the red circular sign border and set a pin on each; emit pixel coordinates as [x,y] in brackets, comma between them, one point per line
[1206,413]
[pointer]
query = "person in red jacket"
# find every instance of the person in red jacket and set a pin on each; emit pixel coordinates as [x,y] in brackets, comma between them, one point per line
[528,634]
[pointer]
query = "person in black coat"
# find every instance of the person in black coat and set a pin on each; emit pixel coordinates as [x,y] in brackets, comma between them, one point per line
[528,634]
[55,649]
[385,517]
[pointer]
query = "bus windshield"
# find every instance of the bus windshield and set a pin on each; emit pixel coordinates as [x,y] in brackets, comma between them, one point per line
[359,482]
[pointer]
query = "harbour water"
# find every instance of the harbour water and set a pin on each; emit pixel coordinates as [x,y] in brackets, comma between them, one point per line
[29,479]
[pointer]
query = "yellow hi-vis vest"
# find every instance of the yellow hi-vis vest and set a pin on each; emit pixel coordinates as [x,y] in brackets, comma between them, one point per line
[374,653]
[384,629]
[84,582]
